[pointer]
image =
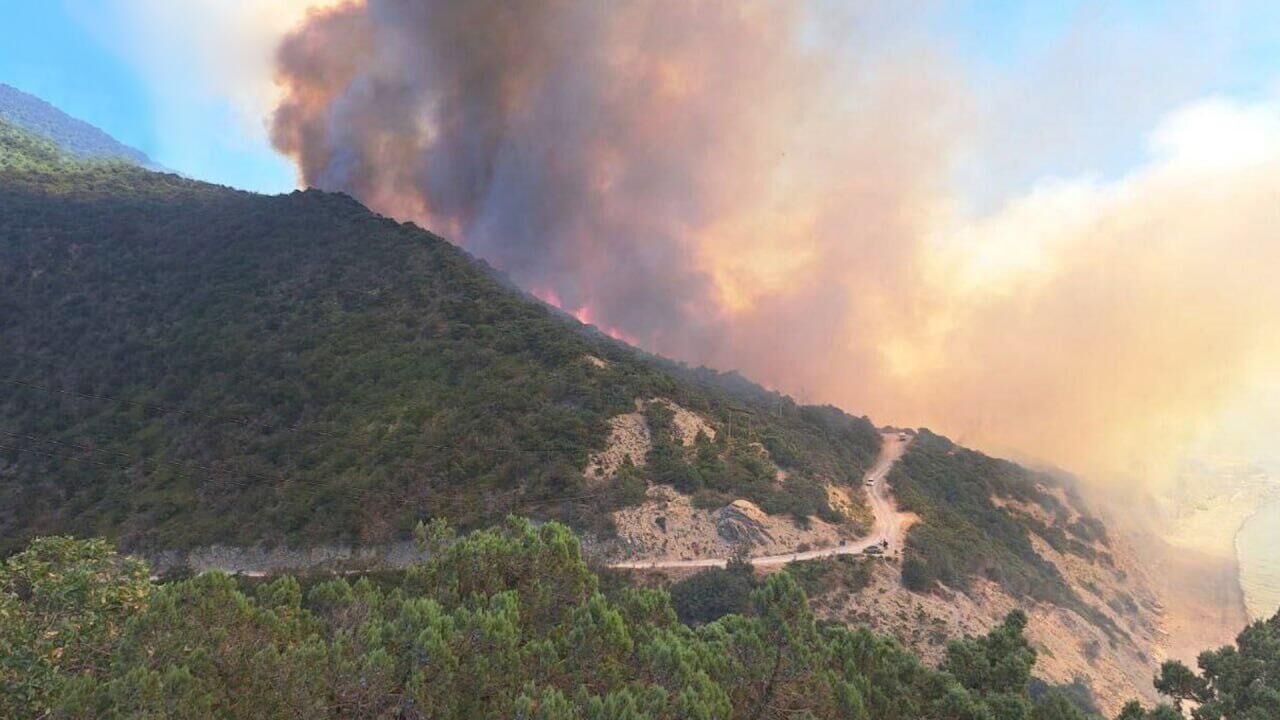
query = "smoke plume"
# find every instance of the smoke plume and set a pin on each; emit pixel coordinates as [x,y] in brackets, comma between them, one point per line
[770,187]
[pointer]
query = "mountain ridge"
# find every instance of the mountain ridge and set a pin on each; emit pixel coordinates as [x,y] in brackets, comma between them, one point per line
[318,354]
[73,135]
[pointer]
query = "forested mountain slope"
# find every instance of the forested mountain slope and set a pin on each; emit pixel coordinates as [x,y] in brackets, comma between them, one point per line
[186,364]
[74,136]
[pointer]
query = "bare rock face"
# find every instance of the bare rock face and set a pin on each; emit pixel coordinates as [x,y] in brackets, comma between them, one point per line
[629,436]
[688,424]
[628,440]
[742,523]
[668,526]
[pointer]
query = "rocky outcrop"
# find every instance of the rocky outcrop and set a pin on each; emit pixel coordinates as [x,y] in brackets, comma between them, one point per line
[688,424]
[668,526]
[742,523]
[1117,666]
[628,439]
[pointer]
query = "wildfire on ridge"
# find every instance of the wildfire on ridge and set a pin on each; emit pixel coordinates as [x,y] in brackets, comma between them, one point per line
[583,314]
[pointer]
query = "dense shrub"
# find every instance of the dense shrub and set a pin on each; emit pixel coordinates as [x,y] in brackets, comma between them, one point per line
[713,593]
[840,573]
[501,623]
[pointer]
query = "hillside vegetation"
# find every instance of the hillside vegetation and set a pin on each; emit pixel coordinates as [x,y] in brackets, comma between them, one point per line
[187,364]
[965,534]
[502,623]
[75,137]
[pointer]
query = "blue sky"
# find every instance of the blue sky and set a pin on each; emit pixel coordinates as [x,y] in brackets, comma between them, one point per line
[55,49]
[1075,86]
[1080,82]
[43,51]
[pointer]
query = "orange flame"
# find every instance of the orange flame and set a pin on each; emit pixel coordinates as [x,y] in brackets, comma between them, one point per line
[583,314]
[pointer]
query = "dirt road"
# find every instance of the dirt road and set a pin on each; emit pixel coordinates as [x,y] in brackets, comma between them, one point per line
[889,526]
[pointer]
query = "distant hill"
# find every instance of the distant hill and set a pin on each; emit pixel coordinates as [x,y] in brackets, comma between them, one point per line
[74,136]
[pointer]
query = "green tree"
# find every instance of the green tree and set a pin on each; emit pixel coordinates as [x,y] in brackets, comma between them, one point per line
[505,622]
[1181,684]
[1236,682]
[310,372]
[996,666]
[64,604]
[1056,706]
[713,593]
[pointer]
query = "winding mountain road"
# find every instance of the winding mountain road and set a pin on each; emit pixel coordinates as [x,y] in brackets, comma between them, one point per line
[889,527]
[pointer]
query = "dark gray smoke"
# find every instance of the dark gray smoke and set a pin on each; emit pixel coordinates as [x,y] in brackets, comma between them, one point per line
[633,162]
[576,145]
